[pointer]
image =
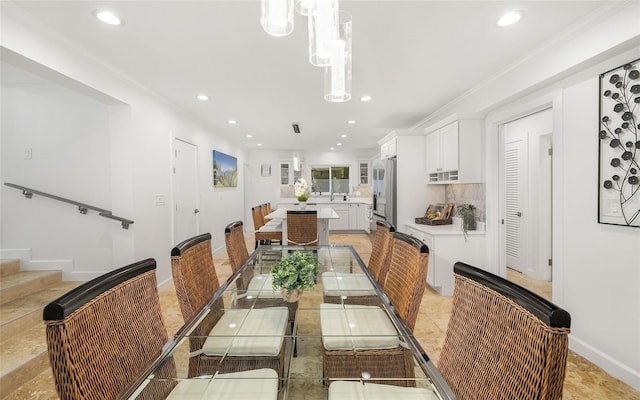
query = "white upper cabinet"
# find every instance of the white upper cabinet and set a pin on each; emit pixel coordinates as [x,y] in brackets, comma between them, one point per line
[363,171]
[389,149]
[454,153]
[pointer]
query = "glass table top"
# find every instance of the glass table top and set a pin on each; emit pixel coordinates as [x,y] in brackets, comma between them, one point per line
[249,342]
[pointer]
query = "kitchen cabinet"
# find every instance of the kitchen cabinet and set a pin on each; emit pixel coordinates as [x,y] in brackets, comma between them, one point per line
[454,153]
[359,214]
[342,223]
[447,245]
[442,149]
[389,149]
[289,176]
[364,174]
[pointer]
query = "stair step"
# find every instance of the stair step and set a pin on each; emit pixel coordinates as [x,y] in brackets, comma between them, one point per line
[25,282]
[23,343]
[8,267]
[23,356]
[26,311]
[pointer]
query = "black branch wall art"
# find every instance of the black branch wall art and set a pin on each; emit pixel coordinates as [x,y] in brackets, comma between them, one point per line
[619,182]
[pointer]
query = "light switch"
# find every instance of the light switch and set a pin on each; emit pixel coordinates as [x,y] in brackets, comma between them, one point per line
[28,153]
[159,200]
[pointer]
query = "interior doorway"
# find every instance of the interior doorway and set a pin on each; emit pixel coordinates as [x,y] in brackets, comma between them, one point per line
[526,164]
[185,190]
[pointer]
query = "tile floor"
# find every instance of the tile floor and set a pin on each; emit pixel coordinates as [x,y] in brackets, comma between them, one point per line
[584,380]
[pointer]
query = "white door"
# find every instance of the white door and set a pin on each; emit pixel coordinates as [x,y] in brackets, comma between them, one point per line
[515,184]
[185,190]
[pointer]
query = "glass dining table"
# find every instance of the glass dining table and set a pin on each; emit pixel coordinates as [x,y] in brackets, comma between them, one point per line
[300,368]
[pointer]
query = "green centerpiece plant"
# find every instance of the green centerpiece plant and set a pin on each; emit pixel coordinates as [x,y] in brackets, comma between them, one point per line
[294,273]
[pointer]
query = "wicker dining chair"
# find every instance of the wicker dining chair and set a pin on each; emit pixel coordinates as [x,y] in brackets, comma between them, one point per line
[265,233]
[259,332]
[107,332]
[503,341]
[255,288]
[302,227]
[355,288]
[361,339]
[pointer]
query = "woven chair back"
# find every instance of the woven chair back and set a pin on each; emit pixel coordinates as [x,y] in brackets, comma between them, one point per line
[236,245]
[516,341]
[105,333]
[256,215]
[266,210]
[302,227]
[407,276]
[194,274]
[381,252]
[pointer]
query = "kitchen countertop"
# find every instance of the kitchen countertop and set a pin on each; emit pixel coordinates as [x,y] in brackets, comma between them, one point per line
[451,229]
[326,200]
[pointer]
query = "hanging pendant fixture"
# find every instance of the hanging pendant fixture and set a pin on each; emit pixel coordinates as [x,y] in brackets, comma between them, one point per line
[329,31]
[337,76]
[323,30]
[276,17]
[305,7]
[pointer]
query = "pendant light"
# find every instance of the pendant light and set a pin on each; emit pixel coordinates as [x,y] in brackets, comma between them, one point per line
[296,161]
[276,17]
[305,7]
[323,30]
[337,76]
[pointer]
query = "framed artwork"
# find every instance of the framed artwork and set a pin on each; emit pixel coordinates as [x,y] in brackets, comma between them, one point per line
[225,170]
[265,170]
[619,146]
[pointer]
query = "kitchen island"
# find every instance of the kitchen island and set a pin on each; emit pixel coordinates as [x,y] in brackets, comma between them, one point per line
[324,215]
[355,212]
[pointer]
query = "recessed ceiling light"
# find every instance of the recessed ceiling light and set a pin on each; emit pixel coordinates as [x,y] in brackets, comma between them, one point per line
[338,144]
[351,122]
[259,144]
[343,135]
[108,17]
[248,136]
[232,122]
[509,18]
[202,97]
[365,98]
[331,148]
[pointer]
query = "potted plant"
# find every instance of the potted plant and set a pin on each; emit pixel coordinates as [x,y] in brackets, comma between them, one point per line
[294,273]
[302,192]
[467,213]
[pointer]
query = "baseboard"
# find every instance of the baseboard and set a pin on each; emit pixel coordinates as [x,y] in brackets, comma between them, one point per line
[15,254]
[612,366]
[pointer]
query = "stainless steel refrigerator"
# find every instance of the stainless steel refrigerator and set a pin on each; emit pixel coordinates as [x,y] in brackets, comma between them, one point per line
[391,191]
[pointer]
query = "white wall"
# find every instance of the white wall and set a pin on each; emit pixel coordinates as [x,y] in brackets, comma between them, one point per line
[68,136]
[138,148]
[601,263]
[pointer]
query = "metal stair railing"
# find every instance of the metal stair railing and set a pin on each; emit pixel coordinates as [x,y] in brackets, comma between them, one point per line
[82,207]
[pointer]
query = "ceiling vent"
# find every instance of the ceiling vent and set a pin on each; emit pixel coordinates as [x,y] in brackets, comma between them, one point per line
[296,127]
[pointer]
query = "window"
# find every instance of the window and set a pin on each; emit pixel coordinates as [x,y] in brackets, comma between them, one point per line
[330,179]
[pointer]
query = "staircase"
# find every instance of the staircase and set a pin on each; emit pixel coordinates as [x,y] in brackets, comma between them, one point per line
[23,346]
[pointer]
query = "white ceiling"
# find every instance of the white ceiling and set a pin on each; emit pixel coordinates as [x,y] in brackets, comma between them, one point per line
[412,57]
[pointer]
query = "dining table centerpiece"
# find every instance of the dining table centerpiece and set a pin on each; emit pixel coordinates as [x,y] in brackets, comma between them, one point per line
[294,273]
[301,188]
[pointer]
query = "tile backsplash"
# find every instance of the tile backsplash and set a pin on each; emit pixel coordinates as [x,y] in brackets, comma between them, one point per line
[469,193]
